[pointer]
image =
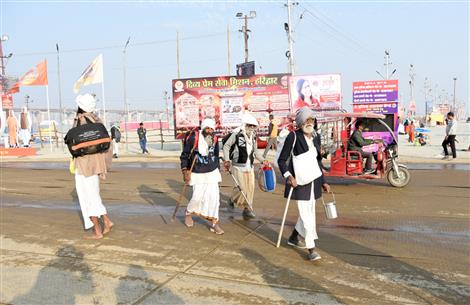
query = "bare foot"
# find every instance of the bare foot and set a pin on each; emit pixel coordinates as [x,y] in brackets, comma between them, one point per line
[108,227]
[188,221]
[93,236]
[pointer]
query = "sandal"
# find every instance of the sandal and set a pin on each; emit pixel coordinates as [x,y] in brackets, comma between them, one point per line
[215,228]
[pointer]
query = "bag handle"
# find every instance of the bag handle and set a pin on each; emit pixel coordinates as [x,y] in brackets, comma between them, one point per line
[323,201]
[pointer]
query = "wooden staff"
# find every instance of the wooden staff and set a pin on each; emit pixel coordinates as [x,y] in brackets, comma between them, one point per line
[284,218]
[183,192]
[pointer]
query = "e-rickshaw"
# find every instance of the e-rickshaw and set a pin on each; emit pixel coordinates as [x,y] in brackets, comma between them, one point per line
[346,163]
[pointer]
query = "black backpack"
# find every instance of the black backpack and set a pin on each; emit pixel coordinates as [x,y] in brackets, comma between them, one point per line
[232,148]
[87,139]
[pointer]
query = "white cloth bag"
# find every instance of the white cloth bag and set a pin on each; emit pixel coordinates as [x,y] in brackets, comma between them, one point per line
[305,165]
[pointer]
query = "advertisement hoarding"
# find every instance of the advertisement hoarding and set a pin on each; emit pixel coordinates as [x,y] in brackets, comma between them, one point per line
[226,98]
[375,91]
[315,91]
[378,96]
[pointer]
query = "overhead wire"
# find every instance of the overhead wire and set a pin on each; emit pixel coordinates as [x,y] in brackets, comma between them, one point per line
[331,31]
[121,46]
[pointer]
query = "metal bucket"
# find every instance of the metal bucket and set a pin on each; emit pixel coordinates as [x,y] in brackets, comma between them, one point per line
[330,208]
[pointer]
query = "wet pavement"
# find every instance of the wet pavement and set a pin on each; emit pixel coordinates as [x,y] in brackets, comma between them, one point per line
[388,246]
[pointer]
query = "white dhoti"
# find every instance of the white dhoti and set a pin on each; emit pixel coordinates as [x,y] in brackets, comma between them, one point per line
[88,191]
[115,147]
[246,181]
[306,224]
[25,136]
[205,201]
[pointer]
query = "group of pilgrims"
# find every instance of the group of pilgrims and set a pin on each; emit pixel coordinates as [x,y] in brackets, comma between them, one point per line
[200,166]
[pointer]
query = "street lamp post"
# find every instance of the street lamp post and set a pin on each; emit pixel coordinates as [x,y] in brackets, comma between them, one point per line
[245,29]
[126,107]
[455,81]
[60,93]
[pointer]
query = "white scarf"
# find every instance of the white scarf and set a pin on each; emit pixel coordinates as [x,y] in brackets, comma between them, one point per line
[202,146]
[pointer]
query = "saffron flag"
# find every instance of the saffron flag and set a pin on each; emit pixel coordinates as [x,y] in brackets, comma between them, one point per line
[93,74]
[37,76]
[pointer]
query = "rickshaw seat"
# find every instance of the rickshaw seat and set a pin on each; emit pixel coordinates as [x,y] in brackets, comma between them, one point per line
[354,155]
[354,162]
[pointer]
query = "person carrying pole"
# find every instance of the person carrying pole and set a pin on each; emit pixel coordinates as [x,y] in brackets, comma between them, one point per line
[200,168]
[299,162]
[240,151]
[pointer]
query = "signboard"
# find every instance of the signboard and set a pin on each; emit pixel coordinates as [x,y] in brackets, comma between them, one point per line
[246,69]
[226,98]
[7,101]
[315,91]
[376,91]
[377,96]
[385,108]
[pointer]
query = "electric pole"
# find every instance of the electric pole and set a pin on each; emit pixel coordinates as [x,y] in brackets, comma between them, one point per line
[288,28]
[455,82]
[60,92]
[126,106]
[245,29]
[165,97]
[178,52]
[27,101]
[412,85]
[228,49]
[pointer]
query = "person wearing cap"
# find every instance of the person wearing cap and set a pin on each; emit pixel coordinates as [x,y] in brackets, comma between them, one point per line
[301,152]
[25,126]
[240,152]
[89,169]
[200,168]
[142,133]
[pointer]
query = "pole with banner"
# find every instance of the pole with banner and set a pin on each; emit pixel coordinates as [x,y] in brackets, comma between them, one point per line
[102,96]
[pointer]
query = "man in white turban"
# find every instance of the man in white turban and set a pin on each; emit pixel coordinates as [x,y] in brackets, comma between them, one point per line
[200,167]
[240,152]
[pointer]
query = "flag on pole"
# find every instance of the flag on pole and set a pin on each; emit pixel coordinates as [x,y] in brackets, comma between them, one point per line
[36,76]
[93,74]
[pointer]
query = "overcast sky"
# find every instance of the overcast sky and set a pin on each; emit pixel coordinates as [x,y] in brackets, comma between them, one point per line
[347,37]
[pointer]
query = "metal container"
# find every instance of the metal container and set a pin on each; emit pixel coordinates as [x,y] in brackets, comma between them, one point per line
[330,208]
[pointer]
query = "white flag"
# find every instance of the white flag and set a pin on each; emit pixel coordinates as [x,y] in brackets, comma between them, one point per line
[93,74]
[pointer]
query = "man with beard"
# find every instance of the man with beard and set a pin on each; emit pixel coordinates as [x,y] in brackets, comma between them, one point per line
[240,151]
[200,167]
[300,163]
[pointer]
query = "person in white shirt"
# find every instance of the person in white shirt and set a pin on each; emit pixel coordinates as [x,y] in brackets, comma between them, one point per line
[451,132]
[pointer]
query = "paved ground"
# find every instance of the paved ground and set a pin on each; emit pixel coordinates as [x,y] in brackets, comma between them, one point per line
[389,246]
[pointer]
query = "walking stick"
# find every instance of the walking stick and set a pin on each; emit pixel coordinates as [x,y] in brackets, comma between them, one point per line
[250,206]
[183,192]
[284,218]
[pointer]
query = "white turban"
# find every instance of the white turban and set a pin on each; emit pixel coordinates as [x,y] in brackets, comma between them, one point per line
[249,119]
[208,123]
[86,102]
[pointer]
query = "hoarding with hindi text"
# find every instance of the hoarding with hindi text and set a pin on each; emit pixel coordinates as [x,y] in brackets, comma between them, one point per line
[226,98]
[318,92]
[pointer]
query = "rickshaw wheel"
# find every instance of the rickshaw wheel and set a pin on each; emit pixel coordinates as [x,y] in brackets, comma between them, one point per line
[400,180]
